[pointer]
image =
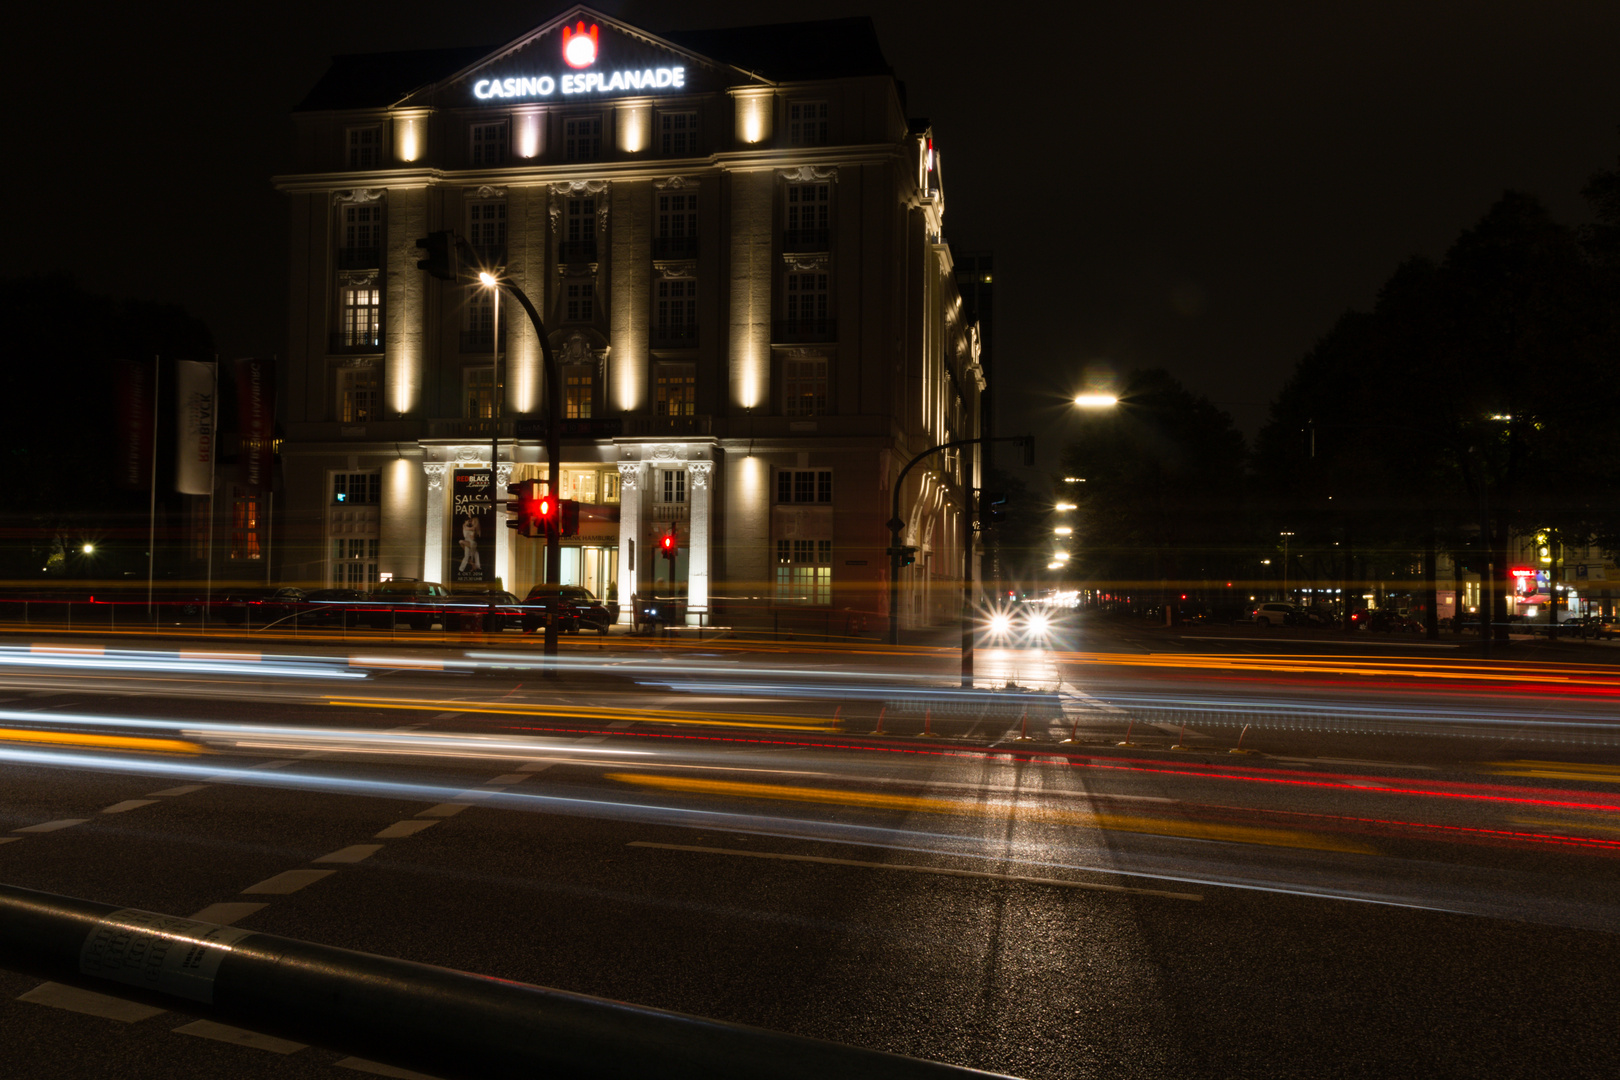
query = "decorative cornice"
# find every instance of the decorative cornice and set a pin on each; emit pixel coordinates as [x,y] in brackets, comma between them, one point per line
[358,362]
[806,174]
[700,471]
[674,183]
[628,472]
[468,455]
[359,195]
[435,474]
[667,453]
[676,268]
[814,263]
[484,191]
[357,279]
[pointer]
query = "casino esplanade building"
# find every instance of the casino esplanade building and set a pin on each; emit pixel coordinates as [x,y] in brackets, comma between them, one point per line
[734,240]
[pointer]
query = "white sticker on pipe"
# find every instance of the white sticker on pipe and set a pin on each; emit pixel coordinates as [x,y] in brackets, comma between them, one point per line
[159,952]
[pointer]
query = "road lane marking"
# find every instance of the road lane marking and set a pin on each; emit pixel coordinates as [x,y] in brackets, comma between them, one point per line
[508,778]
[9,839]
[1558,770]
[209,1029]
[352,854]
[442,810]
[404,828]
[226,914]
[914,868]
[52,826]
[289,881]
[89,1003]
[183,789]
[377,1068]
[1180,828]
[536,766]
[127,805]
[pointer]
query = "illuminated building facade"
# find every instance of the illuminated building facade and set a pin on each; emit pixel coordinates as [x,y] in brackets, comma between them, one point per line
[734,239]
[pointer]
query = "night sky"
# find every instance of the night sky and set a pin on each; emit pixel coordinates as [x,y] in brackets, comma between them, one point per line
[1198,186]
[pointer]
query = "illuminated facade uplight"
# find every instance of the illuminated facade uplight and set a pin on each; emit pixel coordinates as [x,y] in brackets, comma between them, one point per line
[1066,506]
[1096,401]
[1063,530]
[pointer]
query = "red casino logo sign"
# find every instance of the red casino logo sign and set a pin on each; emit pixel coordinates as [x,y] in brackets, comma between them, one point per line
[579,45]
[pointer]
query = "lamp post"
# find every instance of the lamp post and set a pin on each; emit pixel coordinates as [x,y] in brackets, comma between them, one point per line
[1285,536]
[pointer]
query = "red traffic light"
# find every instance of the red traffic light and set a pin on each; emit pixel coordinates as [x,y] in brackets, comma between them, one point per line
[668,545]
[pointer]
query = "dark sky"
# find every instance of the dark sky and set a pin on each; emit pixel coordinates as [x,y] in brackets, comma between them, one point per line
[1193,185]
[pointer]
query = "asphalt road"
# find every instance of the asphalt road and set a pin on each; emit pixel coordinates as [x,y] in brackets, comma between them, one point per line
[1415,875]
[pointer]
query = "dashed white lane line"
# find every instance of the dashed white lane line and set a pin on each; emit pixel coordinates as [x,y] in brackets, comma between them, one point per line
[52,826]
[442,810]
[942,871]
[9,839]
[405,828]
[289,881]
[352,854]
[73,999]
[508,778]
[126,805]
[183,789]
[226,914]
[536,766]
[377,1068]
[208,1029]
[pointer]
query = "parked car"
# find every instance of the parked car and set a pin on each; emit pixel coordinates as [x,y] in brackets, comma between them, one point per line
[1275,614]
[333,606]
[550,602]
[259,607]
[597,614]
[489,610]
[1385,621]
[419,603]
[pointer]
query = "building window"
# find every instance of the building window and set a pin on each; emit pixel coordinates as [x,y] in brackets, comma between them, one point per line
[610,486]
[807,123]
[804,486]
[579,392]
[478,393]
[579,231]
[676,236]
[360,237]
[245,526]
[577,307]
[357,488]
[677,132]
[579,484]
[364,147]
[480,308]
[672,485]
[360,320]
[675,313]
[676,392]
[807,209]
[359,390]
[582,138]
[804,387]
[486,230]
[807,301]
[804,572]
[489,143]
[354,560]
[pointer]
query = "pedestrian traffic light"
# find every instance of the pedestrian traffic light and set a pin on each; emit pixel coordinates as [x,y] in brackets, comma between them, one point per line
[908,555]
[441,255]
[525,503]
[668,545]
[547,513]
[568,517]
[994,505]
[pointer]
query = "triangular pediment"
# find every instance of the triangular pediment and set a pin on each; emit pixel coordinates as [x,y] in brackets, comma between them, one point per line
[578,57]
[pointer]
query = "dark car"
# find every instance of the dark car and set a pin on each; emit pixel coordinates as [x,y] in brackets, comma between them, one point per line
[419,604]
[260,607]
[328,607]
[594,613]
[489,610]
[550,602]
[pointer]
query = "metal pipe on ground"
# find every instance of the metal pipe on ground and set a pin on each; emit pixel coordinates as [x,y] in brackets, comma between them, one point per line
[415,1016]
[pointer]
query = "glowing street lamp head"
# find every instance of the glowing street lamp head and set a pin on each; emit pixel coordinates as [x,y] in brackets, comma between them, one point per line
[486,279]
[579,45]
[1096,401]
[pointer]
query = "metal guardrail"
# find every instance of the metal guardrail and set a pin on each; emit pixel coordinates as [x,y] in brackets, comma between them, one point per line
[414,1016]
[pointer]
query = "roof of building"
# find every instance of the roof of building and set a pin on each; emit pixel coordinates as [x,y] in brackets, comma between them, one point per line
[782,52]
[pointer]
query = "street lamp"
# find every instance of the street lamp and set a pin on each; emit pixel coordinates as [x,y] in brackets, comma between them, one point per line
[1285,536]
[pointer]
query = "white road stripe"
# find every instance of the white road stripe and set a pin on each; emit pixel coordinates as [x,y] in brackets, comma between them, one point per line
[352,854]
[508,778]
[443,810]
[127,804]
[377,1068]
[52,826]
[208,1029]
[288,882]
[915,869]
[404,828]
[73,999]
[184,789]
[226,914]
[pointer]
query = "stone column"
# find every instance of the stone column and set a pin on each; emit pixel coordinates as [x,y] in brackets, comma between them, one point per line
[697,552]
[631,558]
[433,535]
[503,535]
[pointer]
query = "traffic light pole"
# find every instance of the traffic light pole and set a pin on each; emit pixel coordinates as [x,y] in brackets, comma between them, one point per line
[897,523]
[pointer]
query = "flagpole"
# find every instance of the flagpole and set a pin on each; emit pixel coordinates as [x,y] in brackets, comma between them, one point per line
[151,514]
[213,458]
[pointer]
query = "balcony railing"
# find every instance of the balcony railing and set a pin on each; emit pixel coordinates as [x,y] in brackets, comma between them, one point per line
[463,428]
[795,330]
[674,337]
[805,240]
[341,342]
[669,511]
[481,340]
[359,258]
[576,251]
[675,247]
[666,425]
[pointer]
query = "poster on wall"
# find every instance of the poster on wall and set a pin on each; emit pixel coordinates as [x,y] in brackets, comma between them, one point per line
[472,551]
